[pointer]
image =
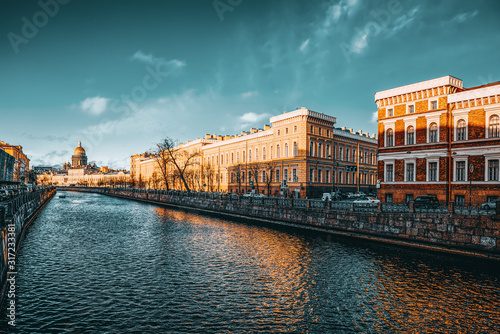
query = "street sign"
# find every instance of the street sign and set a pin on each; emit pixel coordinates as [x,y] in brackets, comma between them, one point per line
[378,181]
[471,168]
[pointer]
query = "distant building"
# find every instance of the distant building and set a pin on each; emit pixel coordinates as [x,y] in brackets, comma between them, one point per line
[437,137]
[7,162]
[21,164]
[79,172]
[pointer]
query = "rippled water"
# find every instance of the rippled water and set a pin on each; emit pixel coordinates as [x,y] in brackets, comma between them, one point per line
[97,264]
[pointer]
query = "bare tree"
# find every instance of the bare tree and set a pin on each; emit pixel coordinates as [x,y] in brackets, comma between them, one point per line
[254,169]
[170,154]
[155,180]
[209,174]
[269,178]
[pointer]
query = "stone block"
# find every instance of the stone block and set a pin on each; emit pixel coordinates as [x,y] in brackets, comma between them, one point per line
[441,227]
[488,242]
[476,240]
[463,238]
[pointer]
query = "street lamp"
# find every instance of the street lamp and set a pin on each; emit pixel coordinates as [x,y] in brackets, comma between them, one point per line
[471,169]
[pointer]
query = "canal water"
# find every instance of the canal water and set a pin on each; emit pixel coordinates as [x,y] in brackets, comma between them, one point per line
[96,264]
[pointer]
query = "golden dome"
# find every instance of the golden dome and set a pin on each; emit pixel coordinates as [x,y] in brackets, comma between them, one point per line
[79,150]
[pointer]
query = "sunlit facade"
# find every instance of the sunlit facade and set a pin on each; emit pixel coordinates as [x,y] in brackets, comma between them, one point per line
[21,163]
[301,154]
[436,137]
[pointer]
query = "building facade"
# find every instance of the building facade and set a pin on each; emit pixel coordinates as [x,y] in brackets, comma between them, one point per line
[437,137]
[300,154]
[7,162]
[21,161]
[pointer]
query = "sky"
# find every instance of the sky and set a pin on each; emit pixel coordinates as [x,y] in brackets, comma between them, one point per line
[121,75]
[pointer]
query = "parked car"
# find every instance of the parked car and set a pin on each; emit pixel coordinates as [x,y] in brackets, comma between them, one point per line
[491,205]
[370,200]
[426,201]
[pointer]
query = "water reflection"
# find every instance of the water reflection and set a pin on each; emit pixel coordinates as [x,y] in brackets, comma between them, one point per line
[99,264]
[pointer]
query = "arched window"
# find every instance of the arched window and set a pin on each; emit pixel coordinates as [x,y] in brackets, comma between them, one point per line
[319,150]
[264,153]
[295,149]
[433,133]
[389,136]
[311,149]
[493,130]
[410,135]
[277,151]
[461,130]
[249,155]
[286,150]
[256,154]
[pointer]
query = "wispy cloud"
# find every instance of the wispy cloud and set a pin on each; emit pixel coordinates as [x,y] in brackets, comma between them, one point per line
[249,94]
[94,105]
[336,11]
[463,17]
[304,45]
[375,117]
[152,60]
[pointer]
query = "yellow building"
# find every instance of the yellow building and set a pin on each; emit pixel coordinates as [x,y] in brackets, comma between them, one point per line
[22,163]
[296,156]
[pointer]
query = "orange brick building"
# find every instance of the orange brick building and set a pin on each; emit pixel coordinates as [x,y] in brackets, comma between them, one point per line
[436,137]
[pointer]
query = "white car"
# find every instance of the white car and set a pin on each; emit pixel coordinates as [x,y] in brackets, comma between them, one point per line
[367,200]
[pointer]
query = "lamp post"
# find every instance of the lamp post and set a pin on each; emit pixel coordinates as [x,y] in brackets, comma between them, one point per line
[471,169]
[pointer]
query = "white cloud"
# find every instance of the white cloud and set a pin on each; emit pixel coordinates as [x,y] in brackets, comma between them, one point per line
[249,94]
[152,60]
[375,117]
[359,43]
[251,118]
[94,105]
[304,45]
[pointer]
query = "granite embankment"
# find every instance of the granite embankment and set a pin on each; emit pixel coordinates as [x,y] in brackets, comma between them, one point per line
[446,229]
[15,215]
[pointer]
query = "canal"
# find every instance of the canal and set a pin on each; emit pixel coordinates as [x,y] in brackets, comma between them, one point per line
[96,264]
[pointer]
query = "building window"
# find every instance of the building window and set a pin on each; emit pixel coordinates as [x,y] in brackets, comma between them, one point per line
[492,170]
[433,172]
[250,176]
[493,129]
[460,200]
[319,150]
[312,129]
[311,175]
[319,131]
[409,198]
[311,149]
[389,138]
[433,133]
[295,150]
[295,128]
[434,105]
[410,135]
[410,171]
[256,154]
[263,153]
[285,175]
[347,153]
[286,150]
[411,109]
[243,156]
[294,173]
[263,176]
[327,176]
[390,112]
[354,155]
[249,155]
[461,130]
[341,175]
[277,151]
[389,173]
[278,175]
[278,132]
[327,133]
[340,152]
[460,173]
[388,198]
[286,131]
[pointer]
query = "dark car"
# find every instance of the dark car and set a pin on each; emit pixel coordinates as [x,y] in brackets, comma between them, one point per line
[426,201]
[490,205]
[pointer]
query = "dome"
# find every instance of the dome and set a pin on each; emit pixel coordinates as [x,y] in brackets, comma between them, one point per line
[79,150]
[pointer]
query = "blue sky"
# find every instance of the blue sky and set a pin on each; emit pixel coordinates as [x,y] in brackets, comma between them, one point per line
[121,75]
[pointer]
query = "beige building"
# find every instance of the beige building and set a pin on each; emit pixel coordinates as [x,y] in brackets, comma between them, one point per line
[300,154]
[21,164]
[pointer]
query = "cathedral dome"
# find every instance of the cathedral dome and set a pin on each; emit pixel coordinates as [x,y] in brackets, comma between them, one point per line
[79,150]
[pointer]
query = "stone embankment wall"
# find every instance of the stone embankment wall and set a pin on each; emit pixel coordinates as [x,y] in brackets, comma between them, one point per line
[15,215]
[443,230]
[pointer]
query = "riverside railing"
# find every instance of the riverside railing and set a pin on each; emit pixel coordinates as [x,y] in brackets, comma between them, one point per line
[312,204]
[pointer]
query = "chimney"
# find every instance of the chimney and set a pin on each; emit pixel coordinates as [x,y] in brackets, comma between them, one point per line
[219,137]
[227,137]
[253,130]
[267,127]
[207,136]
